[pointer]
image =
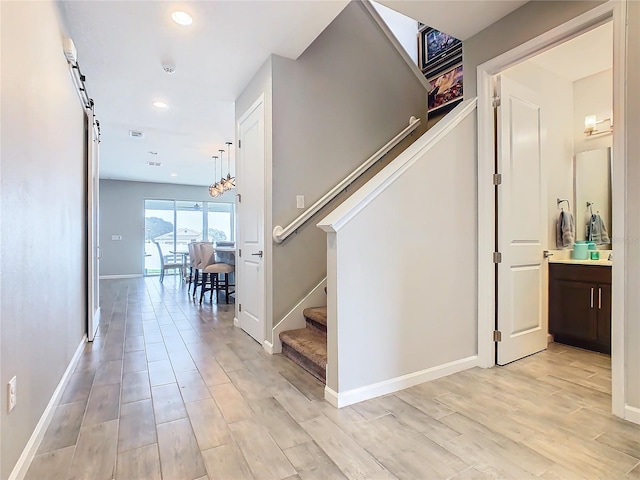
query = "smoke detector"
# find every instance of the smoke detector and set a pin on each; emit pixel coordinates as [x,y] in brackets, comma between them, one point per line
[169,68]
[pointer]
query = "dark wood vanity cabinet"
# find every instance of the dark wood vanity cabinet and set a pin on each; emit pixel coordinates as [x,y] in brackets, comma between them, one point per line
[580,305]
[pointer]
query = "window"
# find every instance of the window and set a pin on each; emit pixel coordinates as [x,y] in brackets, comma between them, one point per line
[175,223]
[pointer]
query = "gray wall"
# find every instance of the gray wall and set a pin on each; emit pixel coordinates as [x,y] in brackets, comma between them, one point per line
[518,27]
[122,213]
[345,97]
[42,233]
[633,200]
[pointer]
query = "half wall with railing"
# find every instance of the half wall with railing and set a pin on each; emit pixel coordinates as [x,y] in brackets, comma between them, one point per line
[401,268]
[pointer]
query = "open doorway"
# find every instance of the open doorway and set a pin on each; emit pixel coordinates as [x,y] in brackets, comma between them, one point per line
[554,200]
[535,274]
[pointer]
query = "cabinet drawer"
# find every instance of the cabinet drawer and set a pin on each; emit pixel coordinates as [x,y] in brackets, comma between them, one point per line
[580,273]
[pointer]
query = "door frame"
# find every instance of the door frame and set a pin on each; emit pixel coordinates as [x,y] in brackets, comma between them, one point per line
[611,11]
[267,217]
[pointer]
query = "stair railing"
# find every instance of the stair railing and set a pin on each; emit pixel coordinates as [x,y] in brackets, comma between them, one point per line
[280,234]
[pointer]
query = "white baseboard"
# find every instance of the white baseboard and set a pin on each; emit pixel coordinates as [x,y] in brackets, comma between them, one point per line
[236,322]
[632,414]
[115,277]
[294,319]
[268,346]
[343,399]
[30,449]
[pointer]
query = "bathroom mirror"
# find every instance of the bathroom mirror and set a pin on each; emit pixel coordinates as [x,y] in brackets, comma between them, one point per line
[592,184]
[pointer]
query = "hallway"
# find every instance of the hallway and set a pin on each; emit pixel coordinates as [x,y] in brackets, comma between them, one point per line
[172,390]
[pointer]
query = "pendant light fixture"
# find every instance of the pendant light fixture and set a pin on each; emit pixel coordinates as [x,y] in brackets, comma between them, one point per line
[213,188]
[229,182]
[226,183]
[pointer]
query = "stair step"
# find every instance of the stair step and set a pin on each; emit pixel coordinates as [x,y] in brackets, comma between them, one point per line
[308,349]
[316,318]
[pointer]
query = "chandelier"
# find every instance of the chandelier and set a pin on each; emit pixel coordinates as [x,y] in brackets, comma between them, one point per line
[226,183]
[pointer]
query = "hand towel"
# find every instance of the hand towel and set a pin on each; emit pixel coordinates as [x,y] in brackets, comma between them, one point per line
[597,230]
[565,230]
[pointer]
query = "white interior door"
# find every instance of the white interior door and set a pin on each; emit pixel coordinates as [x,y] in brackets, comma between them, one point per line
[93,225]
[250,281]
[522,275]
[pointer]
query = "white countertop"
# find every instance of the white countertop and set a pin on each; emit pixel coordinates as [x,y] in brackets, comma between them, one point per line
[564,256]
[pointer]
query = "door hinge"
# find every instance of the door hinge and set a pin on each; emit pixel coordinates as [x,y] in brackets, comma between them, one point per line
[239,143]
[239,252]
[239,197]
[239,307]
[497,257]
[497,336]
[497,179]
[496,102]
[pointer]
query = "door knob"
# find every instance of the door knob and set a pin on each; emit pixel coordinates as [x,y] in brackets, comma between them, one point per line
[546,254]
[259,254]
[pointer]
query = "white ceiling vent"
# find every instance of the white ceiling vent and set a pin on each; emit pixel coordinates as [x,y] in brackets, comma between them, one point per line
[154,164]
[136,134]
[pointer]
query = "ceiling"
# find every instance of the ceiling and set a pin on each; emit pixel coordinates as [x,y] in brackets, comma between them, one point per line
[122,46]
[582,56]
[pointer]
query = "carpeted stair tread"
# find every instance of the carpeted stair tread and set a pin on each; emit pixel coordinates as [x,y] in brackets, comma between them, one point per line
[308,349]
[317,314]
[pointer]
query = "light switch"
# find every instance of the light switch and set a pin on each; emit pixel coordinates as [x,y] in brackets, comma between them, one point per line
[116,237]
[300,201]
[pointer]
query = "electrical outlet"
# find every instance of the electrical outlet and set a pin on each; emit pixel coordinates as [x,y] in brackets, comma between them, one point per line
[116,237]
[11,394]
[300,201]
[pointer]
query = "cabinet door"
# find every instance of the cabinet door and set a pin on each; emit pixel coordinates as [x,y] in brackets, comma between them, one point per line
[604,314]
[574,310]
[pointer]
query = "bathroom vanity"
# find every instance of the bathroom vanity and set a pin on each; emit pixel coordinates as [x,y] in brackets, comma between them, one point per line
[580,304]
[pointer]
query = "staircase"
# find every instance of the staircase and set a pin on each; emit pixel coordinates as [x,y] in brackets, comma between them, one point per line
[308,346]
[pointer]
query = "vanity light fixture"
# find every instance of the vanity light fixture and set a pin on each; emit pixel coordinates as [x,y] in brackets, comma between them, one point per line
[182,18]
[591,126]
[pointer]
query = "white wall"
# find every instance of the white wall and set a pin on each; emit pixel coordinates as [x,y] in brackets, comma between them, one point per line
[404,28]
[556,94]
[42,234]
[402,276]
[122,213]
[592,95]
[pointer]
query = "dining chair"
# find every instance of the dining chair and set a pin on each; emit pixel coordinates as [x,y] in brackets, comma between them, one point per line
[167,265]
[192,264]
[212,271]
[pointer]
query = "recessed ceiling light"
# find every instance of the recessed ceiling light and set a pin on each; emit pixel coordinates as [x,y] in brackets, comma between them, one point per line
[182,18]
[174,174]
[160,105]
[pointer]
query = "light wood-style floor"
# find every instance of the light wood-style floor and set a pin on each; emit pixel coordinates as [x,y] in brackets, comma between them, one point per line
[172,390]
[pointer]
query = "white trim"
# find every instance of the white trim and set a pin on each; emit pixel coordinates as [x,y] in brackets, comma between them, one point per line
[268,346]
[343,399]
[396,44]
[295,319]
[619,208]
[114,277]
[280,234]
[348,209]
[486,291]
[30,449]
[632,414]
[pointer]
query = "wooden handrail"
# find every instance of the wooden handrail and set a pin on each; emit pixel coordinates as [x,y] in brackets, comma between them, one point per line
[280,234]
